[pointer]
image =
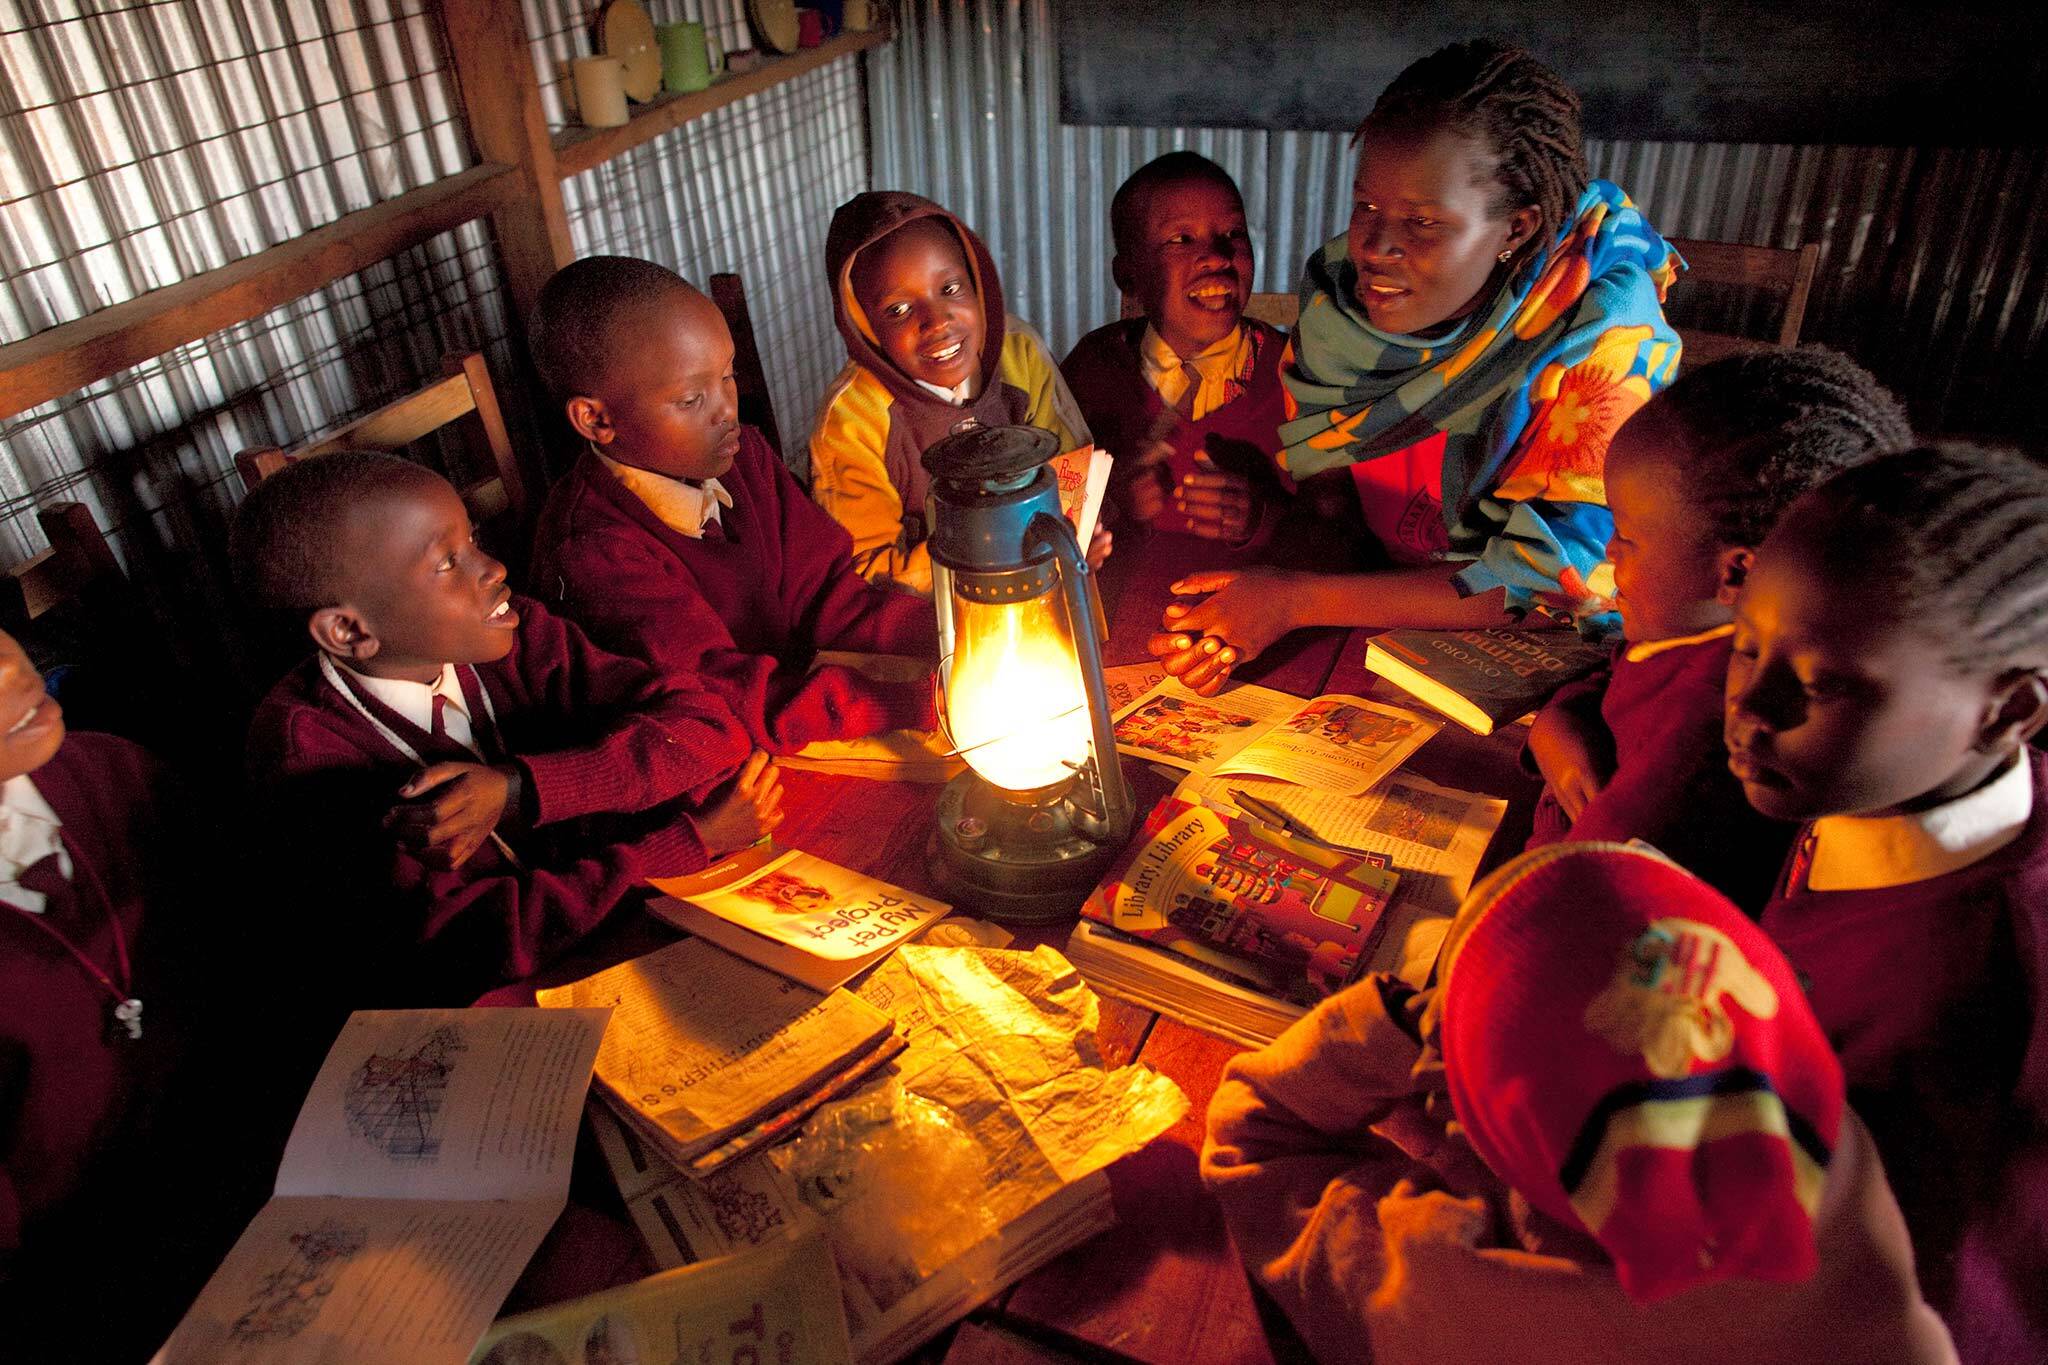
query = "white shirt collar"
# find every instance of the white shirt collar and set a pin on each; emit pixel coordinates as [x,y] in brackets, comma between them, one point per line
[1650,649]
[683,507]
[29,832]
[1863,852]
[1165,369]
[958,395]
[415,701]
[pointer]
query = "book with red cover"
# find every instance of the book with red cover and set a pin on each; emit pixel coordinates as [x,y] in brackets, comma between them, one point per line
[1247,902]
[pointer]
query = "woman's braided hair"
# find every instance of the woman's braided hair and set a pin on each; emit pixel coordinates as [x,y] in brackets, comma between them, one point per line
[1957,535]
[1510,101]
[1758,429]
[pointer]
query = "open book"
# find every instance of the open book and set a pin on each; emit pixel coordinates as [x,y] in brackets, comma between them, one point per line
[797,914]
[779,1301]
[1335,743]
[431,1157]
[710,1057]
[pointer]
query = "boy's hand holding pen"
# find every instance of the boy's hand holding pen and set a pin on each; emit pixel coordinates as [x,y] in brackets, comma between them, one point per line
[748,813]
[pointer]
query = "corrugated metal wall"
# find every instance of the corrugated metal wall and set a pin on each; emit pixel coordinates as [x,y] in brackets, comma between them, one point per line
[749,188]
[1933,268]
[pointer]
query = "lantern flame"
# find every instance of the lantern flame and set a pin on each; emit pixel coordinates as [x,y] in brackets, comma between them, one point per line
[1015,703]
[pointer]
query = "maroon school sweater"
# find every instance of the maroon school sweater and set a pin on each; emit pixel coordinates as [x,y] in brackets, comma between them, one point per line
[74,1094]
[1671,784]
[745,609]
[1935,994]
[1108,382]
[613,756]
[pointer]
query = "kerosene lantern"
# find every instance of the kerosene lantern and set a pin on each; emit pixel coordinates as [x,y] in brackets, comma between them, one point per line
[1043,807]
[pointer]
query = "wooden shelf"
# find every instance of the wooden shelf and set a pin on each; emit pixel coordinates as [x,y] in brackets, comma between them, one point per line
[578,149]
[64,359]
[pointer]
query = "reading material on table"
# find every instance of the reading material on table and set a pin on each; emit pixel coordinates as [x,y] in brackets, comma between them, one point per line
[709,1055]
[1340,743]
[891,756]
[430,1158]
[1004,1042]
[1249,902]
[1433,837]
[1125,683]
[808,919]
[779,1301]
[1483,678]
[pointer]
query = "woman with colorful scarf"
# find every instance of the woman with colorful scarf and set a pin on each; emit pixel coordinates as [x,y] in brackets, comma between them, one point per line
[1465,353]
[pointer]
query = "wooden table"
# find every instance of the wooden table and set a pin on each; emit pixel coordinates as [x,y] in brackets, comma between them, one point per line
[1166,1285]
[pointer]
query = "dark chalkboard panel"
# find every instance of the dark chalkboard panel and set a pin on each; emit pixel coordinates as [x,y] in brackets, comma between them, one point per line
[1885,72]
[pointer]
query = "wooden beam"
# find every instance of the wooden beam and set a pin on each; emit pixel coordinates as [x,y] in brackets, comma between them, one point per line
[63,359]
[578,149]
[501,103]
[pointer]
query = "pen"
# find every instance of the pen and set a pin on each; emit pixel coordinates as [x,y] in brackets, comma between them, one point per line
[1272,815]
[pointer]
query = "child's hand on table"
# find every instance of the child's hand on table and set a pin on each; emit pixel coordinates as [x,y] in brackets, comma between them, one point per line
[1571,756]
[1244,614]
[449,826]
[746,814]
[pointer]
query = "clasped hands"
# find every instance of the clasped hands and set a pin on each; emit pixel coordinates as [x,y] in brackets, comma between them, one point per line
[1243,613]
[447,811]
[1219,504]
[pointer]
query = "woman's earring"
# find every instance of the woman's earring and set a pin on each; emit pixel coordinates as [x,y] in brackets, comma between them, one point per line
[1505,256]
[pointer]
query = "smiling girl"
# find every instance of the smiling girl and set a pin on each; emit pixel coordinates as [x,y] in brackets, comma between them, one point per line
[1466,351]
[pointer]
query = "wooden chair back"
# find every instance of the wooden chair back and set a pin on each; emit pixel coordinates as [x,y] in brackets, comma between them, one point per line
[757,409]
[466,392]
[78,564]
[1275,310]
[1763,287]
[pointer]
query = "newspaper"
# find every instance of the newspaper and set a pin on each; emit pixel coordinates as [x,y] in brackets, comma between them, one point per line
[704,1044]
[430,1158]
[1436,837]
[1342,743]
[1002,1040]
[779,1302]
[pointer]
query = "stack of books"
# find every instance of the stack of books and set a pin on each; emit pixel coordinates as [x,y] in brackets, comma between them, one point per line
[1231,924]
[710,1057]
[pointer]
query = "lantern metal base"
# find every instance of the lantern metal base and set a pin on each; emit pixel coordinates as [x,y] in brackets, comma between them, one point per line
[1013,858]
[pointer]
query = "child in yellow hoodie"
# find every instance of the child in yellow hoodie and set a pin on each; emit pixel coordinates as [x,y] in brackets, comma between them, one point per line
[932,351]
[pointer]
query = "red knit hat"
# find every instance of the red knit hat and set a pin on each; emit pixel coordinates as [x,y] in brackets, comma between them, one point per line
[1625,1048]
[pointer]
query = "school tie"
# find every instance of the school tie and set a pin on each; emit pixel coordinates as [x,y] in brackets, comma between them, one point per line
[45,880]
[1192,378]
[438,728]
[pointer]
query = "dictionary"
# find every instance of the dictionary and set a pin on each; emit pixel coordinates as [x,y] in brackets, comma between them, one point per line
[1483,679]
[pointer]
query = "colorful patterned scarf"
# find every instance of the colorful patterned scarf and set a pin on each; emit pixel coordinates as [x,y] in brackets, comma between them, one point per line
[1528,394]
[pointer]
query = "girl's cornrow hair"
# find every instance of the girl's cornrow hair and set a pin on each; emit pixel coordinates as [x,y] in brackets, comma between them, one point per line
[1960,534]
[1514,103]
[1761,428]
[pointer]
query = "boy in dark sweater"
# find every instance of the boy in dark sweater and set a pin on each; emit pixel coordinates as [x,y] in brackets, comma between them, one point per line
[1186,397]
[1695,480]
[679,538]
[106,1146]
[500,784]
